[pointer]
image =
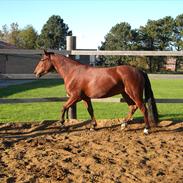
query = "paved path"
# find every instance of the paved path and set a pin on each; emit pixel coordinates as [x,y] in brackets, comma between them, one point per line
[166,76]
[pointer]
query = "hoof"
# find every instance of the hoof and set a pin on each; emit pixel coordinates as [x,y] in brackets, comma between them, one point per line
[62,125]
[93,126]
[64,128]
[92,129]
[146,131]
[62,122]
[123,125]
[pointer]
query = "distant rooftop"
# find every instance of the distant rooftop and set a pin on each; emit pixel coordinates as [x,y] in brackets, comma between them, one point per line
[5,45]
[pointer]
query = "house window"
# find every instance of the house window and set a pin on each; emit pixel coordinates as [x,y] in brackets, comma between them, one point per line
[77,57]
[92,60]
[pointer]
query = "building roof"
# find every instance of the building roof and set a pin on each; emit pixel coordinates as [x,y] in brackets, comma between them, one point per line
[5,45]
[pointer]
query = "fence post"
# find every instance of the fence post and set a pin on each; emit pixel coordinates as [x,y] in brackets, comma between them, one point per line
[71,45]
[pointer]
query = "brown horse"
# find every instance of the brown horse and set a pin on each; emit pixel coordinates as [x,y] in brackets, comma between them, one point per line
[83,82]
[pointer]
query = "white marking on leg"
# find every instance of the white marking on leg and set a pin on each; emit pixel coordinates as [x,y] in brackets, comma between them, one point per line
[123,125]
[146,131]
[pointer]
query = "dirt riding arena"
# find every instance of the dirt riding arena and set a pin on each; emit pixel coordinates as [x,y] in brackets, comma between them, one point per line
[45,152]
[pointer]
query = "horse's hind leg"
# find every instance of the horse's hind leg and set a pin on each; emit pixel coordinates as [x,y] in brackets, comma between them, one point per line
[140,104]
[144,111]
[88,104]
[132,109]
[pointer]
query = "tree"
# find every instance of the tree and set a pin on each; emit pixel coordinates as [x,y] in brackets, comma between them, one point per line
[164,33]
[27,38]
[1,35]
[156,35]
[135,40]
[178,38]
[53,34]
[10,35]
[178,33]
[147,35]
[13,34]
[4,33]
[119,38]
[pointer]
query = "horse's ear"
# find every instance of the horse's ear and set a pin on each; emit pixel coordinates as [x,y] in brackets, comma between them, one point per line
[45,52]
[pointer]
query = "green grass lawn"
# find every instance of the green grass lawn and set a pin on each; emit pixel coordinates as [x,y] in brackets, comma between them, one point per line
[55,88]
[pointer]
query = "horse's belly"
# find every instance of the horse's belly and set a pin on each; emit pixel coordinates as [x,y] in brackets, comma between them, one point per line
[104,92]
[110,94]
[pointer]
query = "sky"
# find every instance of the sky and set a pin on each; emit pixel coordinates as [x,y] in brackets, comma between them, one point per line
[89,20]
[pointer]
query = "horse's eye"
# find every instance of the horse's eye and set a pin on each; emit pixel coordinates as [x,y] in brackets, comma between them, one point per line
[43,59]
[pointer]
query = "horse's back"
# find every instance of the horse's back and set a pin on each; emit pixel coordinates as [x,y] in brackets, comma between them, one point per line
[106,82]
[129,73]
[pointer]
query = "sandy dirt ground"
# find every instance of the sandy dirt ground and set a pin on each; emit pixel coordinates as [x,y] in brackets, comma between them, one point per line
[45,152]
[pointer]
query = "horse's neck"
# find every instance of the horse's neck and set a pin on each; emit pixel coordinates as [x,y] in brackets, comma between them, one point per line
[63,65]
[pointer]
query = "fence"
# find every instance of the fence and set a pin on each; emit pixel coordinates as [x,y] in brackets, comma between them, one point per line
[71,51]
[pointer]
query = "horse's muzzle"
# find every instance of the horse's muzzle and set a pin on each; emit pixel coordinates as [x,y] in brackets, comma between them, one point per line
[37,74]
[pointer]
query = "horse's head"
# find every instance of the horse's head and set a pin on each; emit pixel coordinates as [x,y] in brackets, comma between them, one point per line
[44,66]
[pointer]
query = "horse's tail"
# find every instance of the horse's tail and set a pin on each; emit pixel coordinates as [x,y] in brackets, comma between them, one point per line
[150,100]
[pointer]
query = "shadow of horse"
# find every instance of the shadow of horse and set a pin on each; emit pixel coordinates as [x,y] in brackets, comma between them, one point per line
[12,133]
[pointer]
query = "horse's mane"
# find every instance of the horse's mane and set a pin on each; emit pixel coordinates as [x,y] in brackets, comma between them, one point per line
[69,59]
[50,53]
[65,58]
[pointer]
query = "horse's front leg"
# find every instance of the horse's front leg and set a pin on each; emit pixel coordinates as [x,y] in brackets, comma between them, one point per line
[62,120]
[71,101]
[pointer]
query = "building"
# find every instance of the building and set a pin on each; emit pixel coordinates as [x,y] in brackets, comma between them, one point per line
[170,64]
[86,59]
[16,64]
